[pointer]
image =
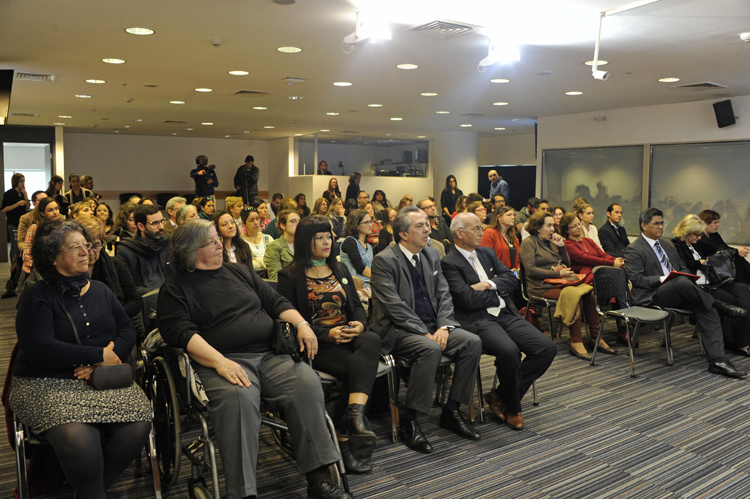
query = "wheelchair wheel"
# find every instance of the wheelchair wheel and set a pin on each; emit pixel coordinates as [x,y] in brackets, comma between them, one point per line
[333,471]
[162,392]
[200,492]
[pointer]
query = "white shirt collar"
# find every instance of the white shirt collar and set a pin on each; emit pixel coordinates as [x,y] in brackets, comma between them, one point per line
[651,242]
[466,254]
[409,255]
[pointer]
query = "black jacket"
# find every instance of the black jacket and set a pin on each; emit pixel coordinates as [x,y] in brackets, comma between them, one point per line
[613,242]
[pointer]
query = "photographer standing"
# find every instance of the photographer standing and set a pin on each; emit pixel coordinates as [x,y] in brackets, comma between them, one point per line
[246,181]
[204,176]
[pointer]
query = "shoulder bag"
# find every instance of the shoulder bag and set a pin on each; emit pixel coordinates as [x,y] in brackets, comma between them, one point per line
[719,268]
[285,340]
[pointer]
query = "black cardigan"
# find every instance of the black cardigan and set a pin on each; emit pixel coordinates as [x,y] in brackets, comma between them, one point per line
[293,286]
[687,256]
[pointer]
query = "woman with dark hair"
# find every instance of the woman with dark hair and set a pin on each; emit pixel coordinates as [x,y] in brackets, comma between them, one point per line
[229,336]
[557,214]
[712,242]
[256,239]
[55,190]
[206,208]
[449,197]
[125,226]
[262,208]
[320,207]
[322,290]
[104,213]
[337,214]
[688,233]
[385,237]
[302,205]
[350,206]
[460,206]
[95,434]
[280,253]
[46,210]
[236,250]
[356,253]
[353,189]
[501,237]
[583,252]
[333,190]
[372,239]
[405,201]
[379,201]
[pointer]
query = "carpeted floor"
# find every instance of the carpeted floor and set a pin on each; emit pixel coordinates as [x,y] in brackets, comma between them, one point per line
[672,432]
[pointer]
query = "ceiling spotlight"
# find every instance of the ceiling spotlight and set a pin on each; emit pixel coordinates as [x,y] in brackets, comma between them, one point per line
[341,84]
[574,93]
[188,129]
[499,80]
[260,108]
[140,31]
[428,94]
[239,73]
[503,52]
[396,119]
[295,97]
[374,105]
[443,112]
[368,28]
[65,117]
[421,136]
[58,124]
[207,123]
[499,128]
[499,103]
[126,126]
[177,102]
[407,66]
[96,81]
[289,50]
[269,126]
[332,114]
[466,125]
[139,119]
[668,80]
[324,130]
[203,90]
[113,61]
[515,119]
[83,96]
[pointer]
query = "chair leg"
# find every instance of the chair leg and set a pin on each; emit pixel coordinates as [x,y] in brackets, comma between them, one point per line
[668,345]
[631,343]
[151,450]
[392,389]
[479,392]
[533,391]
[440,376]
[444,395]
[598,338]
[23,490]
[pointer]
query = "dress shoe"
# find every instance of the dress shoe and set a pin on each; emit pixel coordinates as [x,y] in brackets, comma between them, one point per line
[355,423]
[722,365]
[745,352]
[351,463]
[514,421]
[326,490]
[412,435]
[603,348]
[729,310]
[576,353]
[495,405]
[453,420]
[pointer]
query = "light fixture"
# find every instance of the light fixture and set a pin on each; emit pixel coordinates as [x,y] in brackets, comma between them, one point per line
[332,114]
[598,63]
[466,125]
[117,131]
[368,27]
[239,73]
[260,108]
[126,126]
[668,80]
[139,119]
[396,119]
[502,51]
[188,129]
[515,119]
[499,128]
[407,66]
[204,90]
[177,102]
[443,112]
[207,123]
[341,84]
[499,80]
[65,117]
[174,133]
[324,130]
[246,131]
[575,92]
[745,37]
[140,31]
[113,61]
[499,103]
[421,136]
[374,105]
[289,50]
[83,96]
[428,94]
[295,97]
[96,81]
[268,126]
[227,136]
[58,124]
[298,134]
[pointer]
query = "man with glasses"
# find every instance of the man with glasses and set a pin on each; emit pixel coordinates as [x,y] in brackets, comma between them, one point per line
[413,313]
[649,260]
[439,229]
[362,197]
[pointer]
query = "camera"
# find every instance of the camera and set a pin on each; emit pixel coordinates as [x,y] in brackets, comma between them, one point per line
[601,75]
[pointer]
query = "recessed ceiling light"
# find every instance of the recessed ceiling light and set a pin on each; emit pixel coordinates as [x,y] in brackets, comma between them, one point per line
[500,128]
[574,93]
[269,126]
[96,81]
[499,80]
[203,90]
[174,133]
[332,114]
[238,73]
[499,103]
[246,131]
[83,96]
[515,119]
[466,125]
[295,97]
[396,119]
[117,131]
[428,94]
[598,63]
[324,130]
[298,135]
[140,31]
[342,84]
[443,112]
[65,117]
[260,108]
[58,124]
[113,61]
[668,80]
[177,102]
[407,66]
[227,136]
[289,50]
[421,136]
[387,135]
[188,129]
[374,105]
[207,123]
[126,126]
[139,119]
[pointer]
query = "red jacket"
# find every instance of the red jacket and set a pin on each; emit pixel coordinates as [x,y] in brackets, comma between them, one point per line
[493,239]
[585,255]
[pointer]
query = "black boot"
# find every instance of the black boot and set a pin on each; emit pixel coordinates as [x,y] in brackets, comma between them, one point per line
[355,423]
[351,463]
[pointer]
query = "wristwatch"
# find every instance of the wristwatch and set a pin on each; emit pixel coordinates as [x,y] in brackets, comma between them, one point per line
[448,328]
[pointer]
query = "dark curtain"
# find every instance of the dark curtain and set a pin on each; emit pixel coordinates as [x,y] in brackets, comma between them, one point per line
[521,180]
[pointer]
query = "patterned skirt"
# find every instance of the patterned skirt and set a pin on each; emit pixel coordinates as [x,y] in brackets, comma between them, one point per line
[43,403]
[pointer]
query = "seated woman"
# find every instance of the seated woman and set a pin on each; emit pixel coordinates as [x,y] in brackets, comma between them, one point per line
[185,213]
[236,250]
[280,253]
[229,339]
[501,237]
[585,214]
[478,208]
[543,256]
[256,239]
[385,237]
[124,225]
[82,208]
[272,229]
[460,206]
[104,213]
[321,207]
[96,434]
[583,252]
[45,210]
[322,290]
[379,201]
[235,205]
[557,214]
[206,207]
[262,208]
[304,210]
[688,233]
[372,239]
[712,242]
[336,214]
[356,254]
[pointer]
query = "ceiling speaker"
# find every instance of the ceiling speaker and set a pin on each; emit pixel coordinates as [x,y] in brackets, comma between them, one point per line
[724,113]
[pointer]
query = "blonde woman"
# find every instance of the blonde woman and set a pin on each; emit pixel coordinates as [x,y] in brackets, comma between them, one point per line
[336,212]
[235,205]
[585,214]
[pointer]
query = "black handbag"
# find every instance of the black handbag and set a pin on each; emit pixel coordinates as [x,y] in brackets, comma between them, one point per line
[285,340]
[719,268]
[102,377]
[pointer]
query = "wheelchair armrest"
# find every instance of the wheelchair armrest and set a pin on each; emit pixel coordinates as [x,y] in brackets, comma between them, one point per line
[176,351]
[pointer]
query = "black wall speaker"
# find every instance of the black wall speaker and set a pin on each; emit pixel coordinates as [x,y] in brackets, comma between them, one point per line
[6,83]
[724,113]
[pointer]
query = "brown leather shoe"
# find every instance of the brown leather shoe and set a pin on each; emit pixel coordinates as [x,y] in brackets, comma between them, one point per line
[495,405]
[514,421]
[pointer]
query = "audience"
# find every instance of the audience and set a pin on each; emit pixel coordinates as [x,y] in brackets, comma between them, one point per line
[460,206]
[47,210]
[613,236]
[280,252]
[206,207]
[262,208]
[236,249]
[385,237]
[477,208]
[76,194]
[320,207]
[711,242]
[585,213]
[583,252]
[234,205]
[104,213]
[55,191]
[379,201]
[353,189]
[26,220]
[372,239]
[439,230]
[336,212]
[184,213]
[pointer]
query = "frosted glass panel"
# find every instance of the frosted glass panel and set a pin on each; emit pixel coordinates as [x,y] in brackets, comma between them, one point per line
[688,178]
[601,175]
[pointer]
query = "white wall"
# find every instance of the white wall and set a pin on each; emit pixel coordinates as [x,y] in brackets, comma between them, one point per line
[508,150]
[456,153]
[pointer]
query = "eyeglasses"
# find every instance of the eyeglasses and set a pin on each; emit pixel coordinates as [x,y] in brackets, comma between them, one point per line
[477,228]
[96,246]
[294,221]
[212,242]
[156,222]
[657,224]
[574,226]
[209,198]
[427,206]
[83,246]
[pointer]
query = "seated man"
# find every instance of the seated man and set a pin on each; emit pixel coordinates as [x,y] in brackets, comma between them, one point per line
[413,313]
[481,287]
[648,261]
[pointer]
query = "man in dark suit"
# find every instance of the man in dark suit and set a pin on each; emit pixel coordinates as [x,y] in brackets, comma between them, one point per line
[612,235]
[413,313]
[648,262]
[482,289]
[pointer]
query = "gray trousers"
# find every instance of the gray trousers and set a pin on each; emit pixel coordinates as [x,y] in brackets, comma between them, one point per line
[292,389]
[424,355]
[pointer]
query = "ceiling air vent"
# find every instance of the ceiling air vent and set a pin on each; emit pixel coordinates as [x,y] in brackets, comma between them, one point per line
[442,30]
[35,77]
[175,122]
[705,85]
[24,115]
[251,93]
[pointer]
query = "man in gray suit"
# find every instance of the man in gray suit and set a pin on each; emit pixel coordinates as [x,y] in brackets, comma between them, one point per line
[413,313]
[648,261]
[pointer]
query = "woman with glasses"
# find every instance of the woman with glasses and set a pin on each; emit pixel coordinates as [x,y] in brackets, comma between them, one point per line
[280,253]
[185,213]
[372,239]
[356,253]
[95,434]
[583,252]
[557,214]
[478,208]
[207,206]
[321,207]
[256,239]
[236,250]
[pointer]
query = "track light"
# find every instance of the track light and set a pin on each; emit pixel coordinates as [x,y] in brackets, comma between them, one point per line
[372,29]
[501,52]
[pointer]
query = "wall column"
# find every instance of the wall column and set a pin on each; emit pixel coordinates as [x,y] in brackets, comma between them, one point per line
[456,153]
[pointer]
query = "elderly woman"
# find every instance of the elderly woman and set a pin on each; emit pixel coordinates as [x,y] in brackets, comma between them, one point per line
[583,252]
[280,253]
[332,191]
[478,208]
[322,290]
[501,237]
[206,207]
[543,256]
[256,239]
[235,205]
[336,213]
[356,253]
[585,214]
[320,207]
[688,233]
[96,434]
[185,213]
[229,339]
[711,242]
[236,250]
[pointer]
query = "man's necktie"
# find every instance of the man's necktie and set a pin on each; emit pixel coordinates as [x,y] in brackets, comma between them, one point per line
[483,277]
[667,266]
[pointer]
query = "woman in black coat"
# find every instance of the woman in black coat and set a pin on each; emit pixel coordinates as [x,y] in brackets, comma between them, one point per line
[323,291]
[449,197]
[711,242]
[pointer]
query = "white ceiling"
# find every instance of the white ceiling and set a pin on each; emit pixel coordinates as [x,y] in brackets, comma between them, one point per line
[694,40]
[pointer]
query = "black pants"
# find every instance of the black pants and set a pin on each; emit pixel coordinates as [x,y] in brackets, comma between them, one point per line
[736,293]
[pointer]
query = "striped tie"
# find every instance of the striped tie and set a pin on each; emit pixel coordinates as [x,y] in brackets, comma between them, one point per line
[663,257]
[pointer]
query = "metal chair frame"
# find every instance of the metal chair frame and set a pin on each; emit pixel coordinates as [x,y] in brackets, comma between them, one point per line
[547,303]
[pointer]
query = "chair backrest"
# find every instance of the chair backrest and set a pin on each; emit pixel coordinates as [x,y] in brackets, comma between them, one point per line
[610,282]
[522,281]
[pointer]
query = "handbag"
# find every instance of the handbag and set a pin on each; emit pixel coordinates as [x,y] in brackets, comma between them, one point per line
[719,268]
[102,377]
[561,282]
[285,340]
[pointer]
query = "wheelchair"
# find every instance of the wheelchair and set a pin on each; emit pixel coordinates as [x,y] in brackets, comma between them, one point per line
[178,412]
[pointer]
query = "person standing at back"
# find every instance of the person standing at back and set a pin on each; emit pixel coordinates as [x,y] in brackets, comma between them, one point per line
[246,180]
[204,176]
[14,205]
